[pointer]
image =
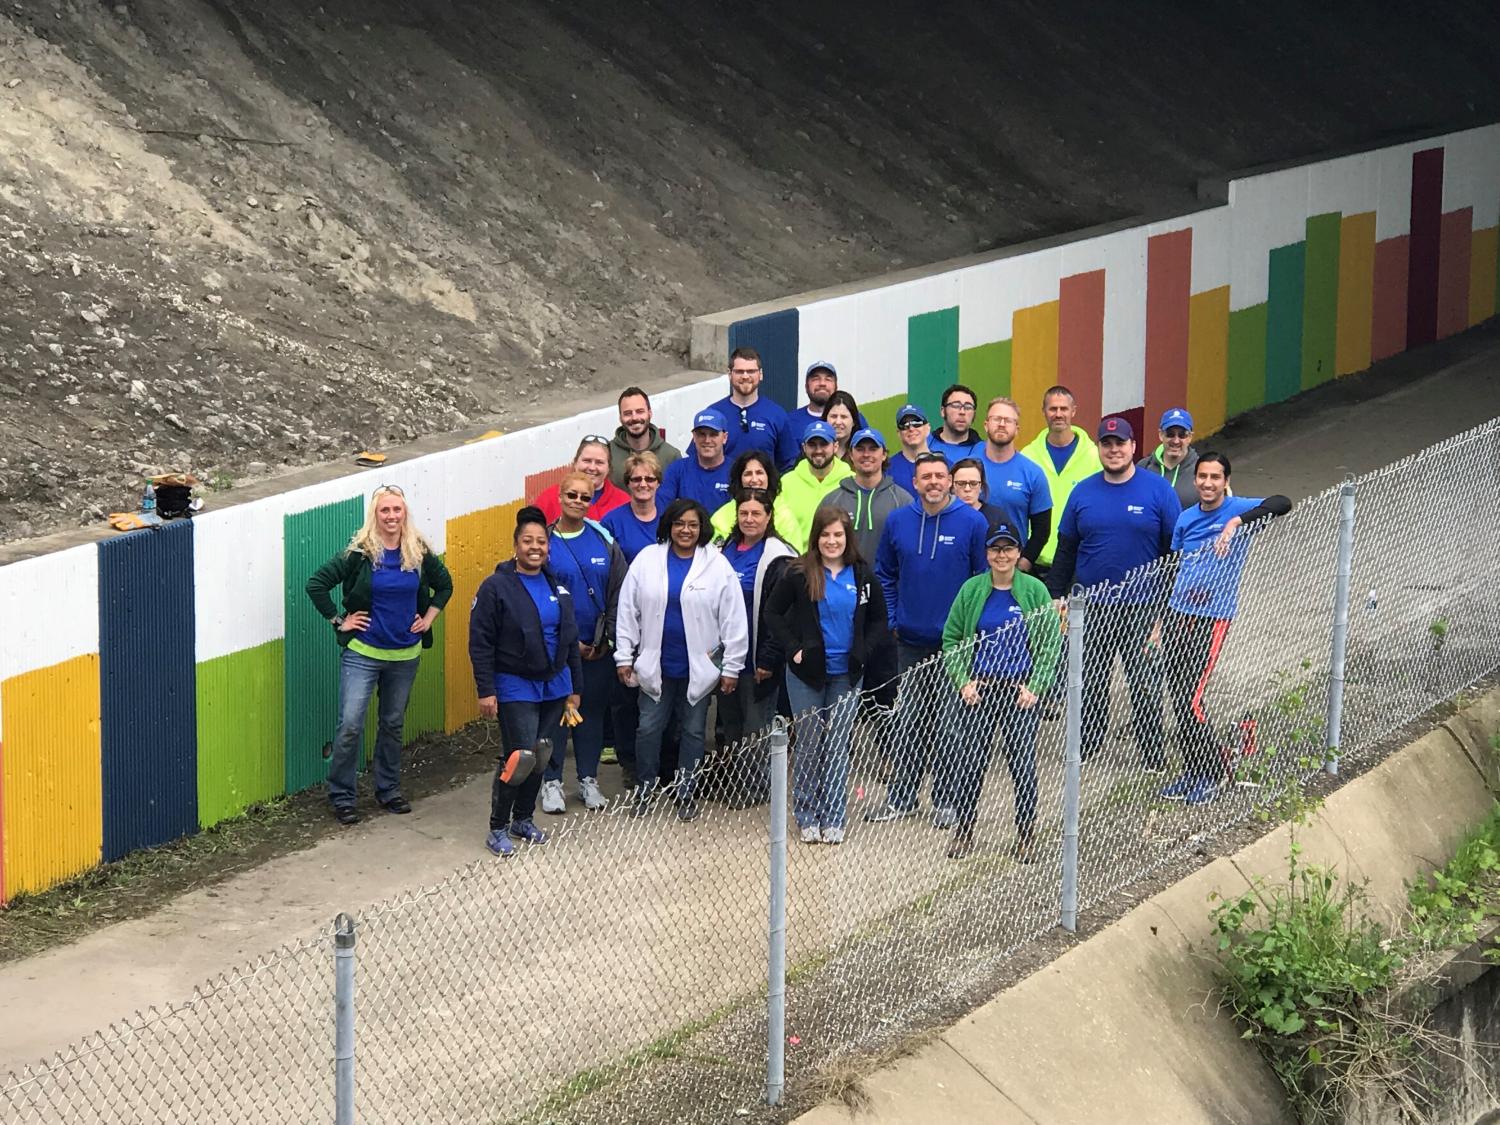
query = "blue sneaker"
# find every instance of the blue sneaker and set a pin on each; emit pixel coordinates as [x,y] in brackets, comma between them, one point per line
[1202,792]
[526,830]
[1178,789]
[499,843]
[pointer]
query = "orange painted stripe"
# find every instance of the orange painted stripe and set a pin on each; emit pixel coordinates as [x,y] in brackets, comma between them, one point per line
[1356,293]
[1033,356]
[1208,359]
[1482,275]
[477,543]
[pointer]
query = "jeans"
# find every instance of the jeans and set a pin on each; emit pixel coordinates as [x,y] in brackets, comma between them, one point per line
[923,714]
[820,769]
[656,716]
[521,724]
[1190,647]
[976,726]
[588,736]
[743,758]
[1122,629]
[359,677]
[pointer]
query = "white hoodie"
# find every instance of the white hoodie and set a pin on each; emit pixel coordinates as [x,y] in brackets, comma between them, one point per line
[713,615]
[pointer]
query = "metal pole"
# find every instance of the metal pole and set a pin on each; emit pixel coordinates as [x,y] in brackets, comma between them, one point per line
[776,978]
[343,1007]
[1340,627]
[1073,760]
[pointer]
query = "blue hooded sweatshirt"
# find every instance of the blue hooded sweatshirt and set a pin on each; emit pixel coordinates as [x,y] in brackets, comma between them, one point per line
[921,562]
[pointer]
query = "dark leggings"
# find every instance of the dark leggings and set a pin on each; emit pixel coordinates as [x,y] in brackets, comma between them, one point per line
[520,723]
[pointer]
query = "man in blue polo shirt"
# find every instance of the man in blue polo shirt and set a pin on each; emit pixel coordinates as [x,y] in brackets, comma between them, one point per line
[1118,522]
[754,421]
[703,473]
[1013,483]
[1205,598]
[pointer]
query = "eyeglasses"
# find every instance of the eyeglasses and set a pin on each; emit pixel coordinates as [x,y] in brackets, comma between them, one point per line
[396,488]
[642,480]
[967,483]
[571,495]
[966,407]
[929,456]
[685,525]
[1004,548]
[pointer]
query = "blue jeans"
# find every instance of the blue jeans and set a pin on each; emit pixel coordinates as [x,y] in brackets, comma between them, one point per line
[359,678]
[820,768]
[656,717]
[521,724]
[924,714]
[588,736]
[977,725]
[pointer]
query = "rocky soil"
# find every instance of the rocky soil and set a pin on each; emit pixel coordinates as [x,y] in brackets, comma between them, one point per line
[241,236]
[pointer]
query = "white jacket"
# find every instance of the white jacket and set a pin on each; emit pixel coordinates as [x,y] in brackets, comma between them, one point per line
[713,615]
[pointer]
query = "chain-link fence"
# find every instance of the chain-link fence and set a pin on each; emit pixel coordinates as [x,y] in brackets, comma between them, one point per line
[619,972]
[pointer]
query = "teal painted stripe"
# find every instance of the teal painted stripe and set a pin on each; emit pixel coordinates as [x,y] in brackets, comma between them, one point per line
[931,356]
[1284,322]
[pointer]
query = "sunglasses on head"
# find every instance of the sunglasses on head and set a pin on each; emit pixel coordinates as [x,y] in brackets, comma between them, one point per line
[929,457]
[396,488]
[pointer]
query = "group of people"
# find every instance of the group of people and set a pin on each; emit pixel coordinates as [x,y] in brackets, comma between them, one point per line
[792,561]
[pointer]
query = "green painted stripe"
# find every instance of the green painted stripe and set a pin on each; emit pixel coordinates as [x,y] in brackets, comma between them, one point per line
[931,356]
[882,415]
[1320,299]
[1247,360]
[1284,322]
[241,736]
[985,368]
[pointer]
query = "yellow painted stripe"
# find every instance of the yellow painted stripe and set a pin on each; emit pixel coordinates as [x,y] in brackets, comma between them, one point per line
[1356,293]
[1208,359]
[1482,278]
[477,542]
[54,803]
[1033,357]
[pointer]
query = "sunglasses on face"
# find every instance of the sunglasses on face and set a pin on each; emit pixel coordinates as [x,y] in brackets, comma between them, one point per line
[571,495]
[641,480]
[911,424]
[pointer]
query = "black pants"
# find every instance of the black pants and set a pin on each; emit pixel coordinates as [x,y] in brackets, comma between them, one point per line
[977,725]
[1190,647]
[520,726]
[1122,630]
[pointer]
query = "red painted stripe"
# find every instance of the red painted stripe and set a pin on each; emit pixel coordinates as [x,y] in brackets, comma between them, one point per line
[1169,276]
[1426,244]
[1221,630]
[1080,342]
[1388,325]
[1456,247]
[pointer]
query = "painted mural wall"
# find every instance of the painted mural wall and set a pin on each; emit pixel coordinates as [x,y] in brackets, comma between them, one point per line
[158,682]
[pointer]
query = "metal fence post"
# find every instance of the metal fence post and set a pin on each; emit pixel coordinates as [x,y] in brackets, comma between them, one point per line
[1336,668]
[776,972]
[343,1008]
[1073,759]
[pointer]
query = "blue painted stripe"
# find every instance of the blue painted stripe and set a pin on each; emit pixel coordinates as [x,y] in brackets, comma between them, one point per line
[776,337]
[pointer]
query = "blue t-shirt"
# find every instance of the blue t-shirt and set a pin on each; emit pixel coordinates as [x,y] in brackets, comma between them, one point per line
[745,563]
[953,451]
[674,650]
[1001,650]
[393,604]
[633,535]
[836,616]
[901,471]
[1120,527]
[1018,488]
[1208,586]
[686,478]
[763,424]
[580,562]
[1060,453]
[511,688]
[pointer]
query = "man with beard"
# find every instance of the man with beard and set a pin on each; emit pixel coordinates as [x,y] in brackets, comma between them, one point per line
[814,477]
[637,434]
[754,421]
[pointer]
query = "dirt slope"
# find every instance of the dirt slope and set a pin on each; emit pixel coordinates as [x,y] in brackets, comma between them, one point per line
[240,235]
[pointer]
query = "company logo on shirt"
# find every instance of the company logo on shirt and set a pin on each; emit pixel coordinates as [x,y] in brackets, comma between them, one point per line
[1015,485]
[756,425]
[1135,509]
[722,487]
[596,560]
[947,540]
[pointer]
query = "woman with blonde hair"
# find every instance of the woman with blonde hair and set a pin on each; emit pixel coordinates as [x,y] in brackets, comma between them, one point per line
[392,587]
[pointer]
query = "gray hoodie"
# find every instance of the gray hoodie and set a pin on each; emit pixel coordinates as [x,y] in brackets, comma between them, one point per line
[868,509]
[619,449]
[1181,478]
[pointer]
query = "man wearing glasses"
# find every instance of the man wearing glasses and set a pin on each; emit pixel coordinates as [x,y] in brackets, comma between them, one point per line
[754,421]
[956,438]
[702,475]
[637,434]
[1013,483]
[1175,458]
[911,425]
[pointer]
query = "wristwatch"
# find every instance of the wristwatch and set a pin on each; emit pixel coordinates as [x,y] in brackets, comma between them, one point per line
[337,621]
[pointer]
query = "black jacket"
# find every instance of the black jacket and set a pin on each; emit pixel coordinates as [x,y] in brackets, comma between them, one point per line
[505,632]
[793,620]
[768,654]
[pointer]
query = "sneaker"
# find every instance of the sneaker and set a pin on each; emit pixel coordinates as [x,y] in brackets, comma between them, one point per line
[642,805]
[499,843]
[526,830]
[1155,769]
[833,835]
[593,797]
[944,818]
[963,844]
[888,813]
[812,834]
[687,811]
[552,798]
[1178,789]
[346,814]
[627,779]
[1202,793]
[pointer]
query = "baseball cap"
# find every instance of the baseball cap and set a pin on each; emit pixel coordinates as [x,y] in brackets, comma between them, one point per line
[1001,533]
[710,420]
[1116,427]
[818,429]
[866,434]
[821,365]
[910,410]
[1177,416]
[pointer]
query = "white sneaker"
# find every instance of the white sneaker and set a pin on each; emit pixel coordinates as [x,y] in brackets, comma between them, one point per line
[812,834]
[552,798]
[593,798]
[833,835]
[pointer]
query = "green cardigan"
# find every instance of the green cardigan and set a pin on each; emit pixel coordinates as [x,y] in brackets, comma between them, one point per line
[351,570]
[1043,634]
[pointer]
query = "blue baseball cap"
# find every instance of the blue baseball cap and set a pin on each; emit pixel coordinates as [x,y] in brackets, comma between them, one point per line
[710,420]
[866,434]
[821,365]
[910,410]
[818,428]
[1177,416]
[1115,427]
[1001,533]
